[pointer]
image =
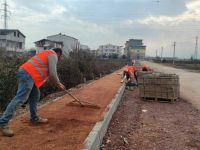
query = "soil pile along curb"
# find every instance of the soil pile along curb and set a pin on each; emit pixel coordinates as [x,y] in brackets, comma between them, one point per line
[68,126]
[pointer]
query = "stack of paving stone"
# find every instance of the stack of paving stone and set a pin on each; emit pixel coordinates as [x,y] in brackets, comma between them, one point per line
[159,86]
[142,73]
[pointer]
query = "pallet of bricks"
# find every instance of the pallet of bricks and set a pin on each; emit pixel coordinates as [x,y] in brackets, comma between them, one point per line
[159,86]
[143,73]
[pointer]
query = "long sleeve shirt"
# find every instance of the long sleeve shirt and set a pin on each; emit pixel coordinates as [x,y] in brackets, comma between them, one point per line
[53,75]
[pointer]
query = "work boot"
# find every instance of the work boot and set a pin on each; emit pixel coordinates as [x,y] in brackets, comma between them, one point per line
[5,129]
[40,120]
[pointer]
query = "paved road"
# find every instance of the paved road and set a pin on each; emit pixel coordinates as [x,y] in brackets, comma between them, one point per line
[190,82]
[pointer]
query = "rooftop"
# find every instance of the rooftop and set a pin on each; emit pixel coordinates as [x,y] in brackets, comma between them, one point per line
[8,31]
[62,35]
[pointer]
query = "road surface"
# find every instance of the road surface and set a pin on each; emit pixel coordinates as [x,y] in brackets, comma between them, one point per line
[189,82]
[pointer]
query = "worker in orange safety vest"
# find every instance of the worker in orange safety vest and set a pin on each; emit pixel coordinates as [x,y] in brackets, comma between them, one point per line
[129,73]
[32,75]
[145,67]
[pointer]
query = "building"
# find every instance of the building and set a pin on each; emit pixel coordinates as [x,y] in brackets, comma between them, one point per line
[12,41]
[69,43]
[84,47]
[94,52]
[45,44]
[134,49]
[109,49]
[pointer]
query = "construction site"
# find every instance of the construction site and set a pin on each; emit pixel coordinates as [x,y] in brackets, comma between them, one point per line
[136,87]
[159,113]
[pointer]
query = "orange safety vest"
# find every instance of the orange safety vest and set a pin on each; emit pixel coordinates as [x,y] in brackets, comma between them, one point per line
[38,67]
[131,69]
[145,66]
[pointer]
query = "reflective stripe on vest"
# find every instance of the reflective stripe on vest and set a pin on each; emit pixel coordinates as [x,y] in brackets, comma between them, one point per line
[37,67]
[41,63]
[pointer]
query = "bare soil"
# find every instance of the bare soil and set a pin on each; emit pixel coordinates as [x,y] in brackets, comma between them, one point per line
[153,125]
[68,126]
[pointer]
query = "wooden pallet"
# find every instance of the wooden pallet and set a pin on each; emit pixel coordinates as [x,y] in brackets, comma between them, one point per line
[160,99]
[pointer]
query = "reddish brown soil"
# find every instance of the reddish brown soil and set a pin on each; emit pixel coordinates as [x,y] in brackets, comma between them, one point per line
[68,126]
[140,125]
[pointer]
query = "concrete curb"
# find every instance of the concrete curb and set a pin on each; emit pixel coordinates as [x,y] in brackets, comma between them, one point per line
[94,139]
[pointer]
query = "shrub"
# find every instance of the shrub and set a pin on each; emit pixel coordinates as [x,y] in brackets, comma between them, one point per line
[71,72]
[8,80]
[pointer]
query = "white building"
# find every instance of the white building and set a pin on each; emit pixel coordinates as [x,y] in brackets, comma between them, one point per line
[84,47]
[12,40]
[45,44]
[109,49]
[69,43]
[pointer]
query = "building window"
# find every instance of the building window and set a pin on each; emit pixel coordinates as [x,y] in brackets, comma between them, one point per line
[14,33]
[20,45]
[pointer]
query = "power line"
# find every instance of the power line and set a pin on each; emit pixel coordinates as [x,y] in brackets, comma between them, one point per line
[5,14]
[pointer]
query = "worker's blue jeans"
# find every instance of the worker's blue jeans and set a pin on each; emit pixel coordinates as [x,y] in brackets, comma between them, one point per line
[27,91]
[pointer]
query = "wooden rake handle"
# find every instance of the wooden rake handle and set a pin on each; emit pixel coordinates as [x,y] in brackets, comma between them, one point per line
[82,103]
[75,98]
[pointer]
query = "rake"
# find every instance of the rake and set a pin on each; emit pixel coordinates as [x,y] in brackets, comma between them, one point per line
[82,103]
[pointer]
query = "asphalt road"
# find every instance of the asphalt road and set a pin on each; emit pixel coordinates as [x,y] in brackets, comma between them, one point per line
[189,82]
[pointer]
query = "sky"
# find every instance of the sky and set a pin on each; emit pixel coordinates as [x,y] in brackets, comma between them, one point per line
[99,22]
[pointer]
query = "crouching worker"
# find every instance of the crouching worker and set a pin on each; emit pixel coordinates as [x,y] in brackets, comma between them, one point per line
[145,67]
[130,74]
[32,75]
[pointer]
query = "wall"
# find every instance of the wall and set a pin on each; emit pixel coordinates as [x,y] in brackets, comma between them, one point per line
[69,43]
[13,42]
[137,53]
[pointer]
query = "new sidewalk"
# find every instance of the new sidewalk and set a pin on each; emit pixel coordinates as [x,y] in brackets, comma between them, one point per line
[68,126]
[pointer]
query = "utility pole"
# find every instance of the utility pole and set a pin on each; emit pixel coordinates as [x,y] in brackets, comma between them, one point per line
[196,49]
[174,51]
[161,53]
[156,53]
[5,14]
[5,17]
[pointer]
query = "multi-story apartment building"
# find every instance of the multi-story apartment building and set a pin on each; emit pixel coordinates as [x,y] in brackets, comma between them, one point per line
[45,44]
[109,49]
[69,43]
[135,49]
[12,41]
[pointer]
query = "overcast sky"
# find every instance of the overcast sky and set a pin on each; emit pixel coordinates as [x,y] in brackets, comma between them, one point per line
[97,22]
